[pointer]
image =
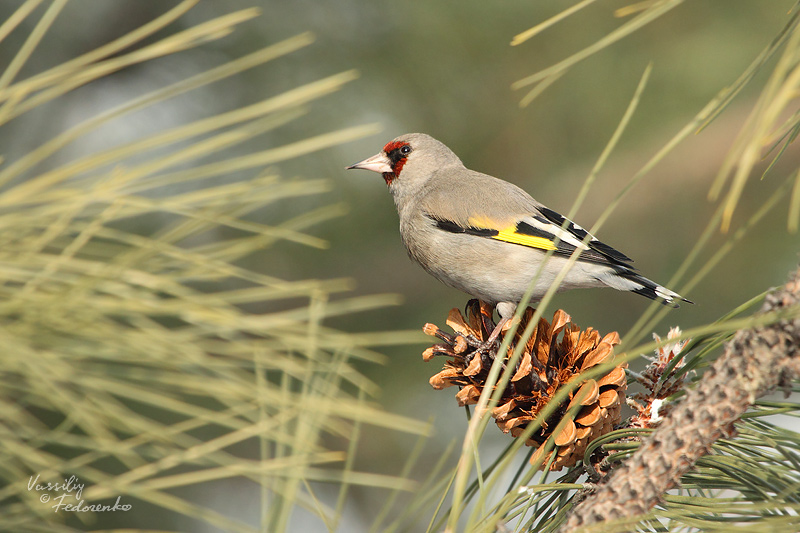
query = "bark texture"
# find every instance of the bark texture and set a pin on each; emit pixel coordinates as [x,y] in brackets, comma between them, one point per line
[754,363]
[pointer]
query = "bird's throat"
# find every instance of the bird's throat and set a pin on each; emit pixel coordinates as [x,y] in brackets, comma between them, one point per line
[388,177]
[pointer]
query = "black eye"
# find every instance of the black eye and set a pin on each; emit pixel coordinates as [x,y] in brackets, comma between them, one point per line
[405,149]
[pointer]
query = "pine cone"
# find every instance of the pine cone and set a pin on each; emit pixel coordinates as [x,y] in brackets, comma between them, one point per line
[546,364]
[652,405]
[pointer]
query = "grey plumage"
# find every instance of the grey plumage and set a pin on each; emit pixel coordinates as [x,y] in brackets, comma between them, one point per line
[487,237]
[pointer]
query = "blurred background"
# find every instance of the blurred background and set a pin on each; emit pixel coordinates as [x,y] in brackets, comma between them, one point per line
[446,69]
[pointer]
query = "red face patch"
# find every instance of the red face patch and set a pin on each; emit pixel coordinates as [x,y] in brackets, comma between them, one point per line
[394,145]
[394,151]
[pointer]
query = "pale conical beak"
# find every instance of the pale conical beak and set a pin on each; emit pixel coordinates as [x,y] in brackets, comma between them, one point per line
[376,163]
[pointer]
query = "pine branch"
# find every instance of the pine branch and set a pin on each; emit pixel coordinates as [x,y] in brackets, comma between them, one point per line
[754,363]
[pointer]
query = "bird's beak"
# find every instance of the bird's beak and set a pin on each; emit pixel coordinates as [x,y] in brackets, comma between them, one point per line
[376,163]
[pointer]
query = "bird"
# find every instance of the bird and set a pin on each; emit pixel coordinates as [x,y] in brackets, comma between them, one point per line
[487,237]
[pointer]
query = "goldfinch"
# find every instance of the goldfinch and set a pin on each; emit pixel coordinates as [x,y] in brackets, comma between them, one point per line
[487,237]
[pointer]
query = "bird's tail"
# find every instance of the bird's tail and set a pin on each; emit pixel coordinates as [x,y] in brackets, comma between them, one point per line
[629,280]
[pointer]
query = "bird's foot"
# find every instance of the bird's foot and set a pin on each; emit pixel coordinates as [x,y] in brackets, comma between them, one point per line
[489,344]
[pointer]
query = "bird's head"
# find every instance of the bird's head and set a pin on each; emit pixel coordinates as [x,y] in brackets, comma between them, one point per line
[410,160]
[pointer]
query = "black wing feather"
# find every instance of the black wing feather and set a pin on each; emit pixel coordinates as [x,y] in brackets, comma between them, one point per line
[605,251]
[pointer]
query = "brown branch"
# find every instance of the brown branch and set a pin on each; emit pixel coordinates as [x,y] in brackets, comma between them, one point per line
[754,362]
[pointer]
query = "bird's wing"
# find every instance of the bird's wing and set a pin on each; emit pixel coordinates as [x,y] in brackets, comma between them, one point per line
[538,231]
[501,211]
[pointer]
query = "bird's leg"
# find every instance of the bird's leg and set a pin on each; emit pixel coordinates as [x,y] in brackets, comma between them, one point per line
[484,351]
[496,332]
[487,314]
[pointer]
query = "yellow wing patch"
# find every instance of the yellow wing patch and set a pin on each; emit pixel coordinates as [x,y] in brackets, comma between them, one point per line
[511,235]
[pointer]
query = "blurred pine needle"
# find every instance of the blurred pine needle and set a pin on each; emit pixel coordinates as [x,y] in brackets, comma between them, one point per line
[131,360]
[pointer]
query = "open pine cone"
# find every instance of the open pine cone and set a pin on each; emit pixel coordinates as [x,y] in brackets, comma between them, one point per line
[546,364]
